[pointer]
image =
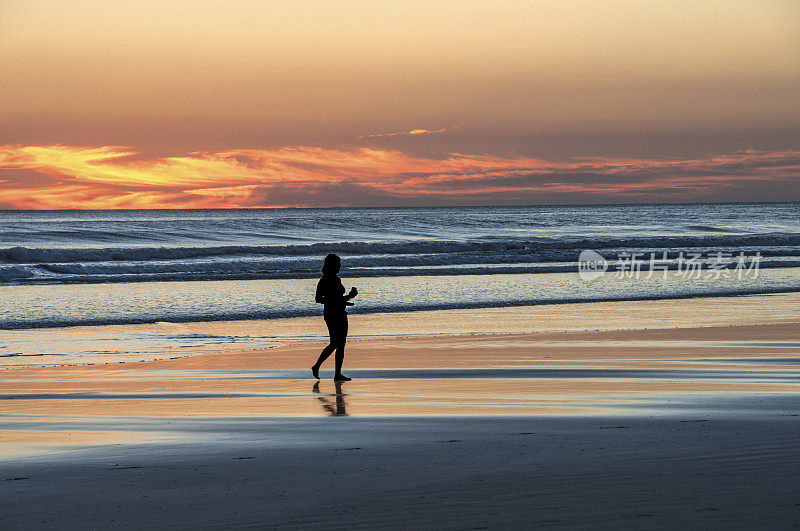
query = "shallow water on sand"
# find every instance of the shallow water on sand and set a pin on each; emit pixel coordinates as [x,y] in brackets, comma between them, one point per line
[122,343]
[706,372]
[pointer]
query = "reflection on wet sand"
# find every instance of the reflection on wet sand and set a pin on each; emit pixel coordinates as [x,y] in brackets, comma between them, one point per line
[334,409]
[741,370]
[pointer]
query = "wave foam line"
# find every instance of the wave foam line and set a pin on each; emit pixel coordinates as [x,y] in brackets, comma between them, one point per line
[234,316]
[21,255]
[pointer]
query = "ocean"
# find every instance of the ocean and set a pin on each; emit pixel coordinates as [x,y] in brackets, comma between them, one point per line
[94,269]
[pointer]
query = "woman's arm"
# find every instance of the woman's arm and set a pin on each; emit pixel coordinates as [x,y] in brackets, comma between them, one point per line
[320,296]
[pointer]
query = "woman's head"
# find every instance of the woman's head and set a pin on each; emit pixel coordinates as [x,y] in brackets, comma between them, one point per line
[331,265]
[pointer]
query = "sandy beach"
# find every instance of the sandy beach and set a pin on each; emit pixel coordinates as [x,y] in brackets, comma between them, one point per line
[657,424]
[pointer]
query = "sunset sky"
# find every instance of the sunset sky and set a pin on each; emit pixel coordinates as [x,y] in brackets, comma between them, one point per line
[184,104]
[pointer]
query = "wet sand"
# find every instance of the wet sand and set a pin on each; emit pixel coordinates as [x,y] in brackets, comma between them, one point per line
[649,427]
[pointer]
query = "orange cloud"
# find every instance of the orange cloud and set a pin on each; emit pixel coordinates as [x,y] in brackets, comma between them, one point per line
[111,177]
[411,132]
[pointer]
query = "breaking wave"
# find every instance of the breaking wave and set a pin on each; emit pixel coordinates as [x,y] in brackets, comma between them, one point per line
[544,255]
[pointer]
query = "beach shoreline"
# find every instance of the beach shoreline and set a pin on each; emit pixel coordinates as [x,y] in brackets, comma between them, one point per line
[125,343]
[657,426]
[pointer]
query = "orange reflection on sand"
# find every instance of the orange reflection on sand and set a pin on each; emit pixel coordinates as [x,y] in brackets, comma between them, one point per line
[589,373]
[428,396]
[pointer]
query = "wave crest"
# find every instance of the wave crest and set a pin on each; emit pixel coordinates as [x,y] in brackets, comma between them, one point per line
[28,255]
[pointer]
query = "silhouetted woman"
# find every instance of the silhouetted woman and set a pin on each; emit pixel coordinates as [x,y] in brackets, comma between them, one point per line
[330,292]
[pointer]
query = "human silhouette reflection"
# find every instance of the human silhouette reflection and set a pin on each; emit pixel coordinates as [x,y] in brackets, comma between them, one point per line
[334,409]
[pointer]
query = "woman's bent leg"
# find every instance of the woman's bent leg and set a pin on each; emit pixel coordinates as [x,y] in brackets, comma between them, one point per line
[327,351]
[325,354]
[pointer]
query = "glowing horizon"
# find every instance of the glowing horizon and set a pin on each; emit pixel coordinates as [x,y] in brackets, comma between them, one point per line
[71,177]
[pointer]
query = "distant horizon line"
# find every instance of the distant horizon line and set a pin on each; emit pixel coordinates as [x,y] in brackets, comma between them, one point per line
[365,207]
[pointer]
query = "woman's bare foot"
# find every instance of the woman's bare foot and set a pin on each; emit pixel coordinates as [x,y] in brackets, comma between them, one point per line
[315,372]
[341,378]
